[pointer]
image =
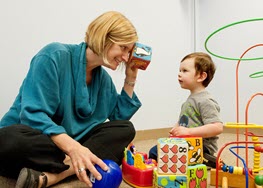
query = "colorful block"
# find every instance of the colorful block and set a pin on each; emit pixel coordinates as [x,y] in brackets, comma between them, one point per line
[169,180]
[139,161]
[129,157]
[172,156]
[197,176]
[141,55]
[195,150]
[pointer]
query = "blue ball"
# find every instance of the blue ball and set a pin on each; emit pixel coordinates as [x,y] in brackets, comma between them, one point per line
[111,178]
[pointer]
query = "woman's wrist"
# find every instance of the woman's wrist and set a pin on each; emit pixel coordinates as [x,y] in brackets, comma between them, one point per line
[130,82]
[65,143]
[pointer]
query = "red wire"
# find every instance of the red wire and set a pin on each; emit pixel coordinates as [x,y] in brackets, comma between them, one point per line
[237,95]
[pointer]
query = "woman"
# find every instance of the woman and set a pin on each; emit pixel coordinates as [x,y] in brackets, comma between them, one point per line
[57,124]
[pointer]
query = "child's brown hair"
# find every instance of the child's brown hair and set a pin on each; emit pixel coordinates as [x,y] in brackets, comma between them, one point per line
[203,63]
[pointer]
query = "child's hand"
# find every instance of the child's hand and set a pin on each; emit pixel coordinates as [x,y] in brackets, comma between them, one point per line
[172,130]
[179,131]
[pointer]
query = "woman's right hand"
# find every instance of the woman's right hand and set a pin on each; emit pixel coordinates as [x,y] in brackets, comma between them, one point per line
[82,158]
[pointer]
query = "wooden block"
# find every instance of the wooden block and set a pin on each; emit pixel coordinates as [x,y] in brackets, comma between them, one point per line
[234,180]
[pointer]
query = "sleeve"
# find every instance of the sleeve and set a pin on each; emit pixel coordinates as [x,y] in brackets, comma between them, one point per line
[125,107]
[210,111]
[40,96]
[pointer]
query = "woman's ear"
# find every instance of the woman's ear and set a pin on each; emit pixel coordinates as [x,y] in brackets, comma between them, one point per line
[202,77]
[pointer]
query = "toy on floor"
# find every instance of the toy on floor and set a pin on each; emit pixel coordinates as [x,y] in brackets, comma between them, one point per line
[137,169]
[179,163]
[247,177]
[232,175]
[111,178]
[252,176]
[141,55]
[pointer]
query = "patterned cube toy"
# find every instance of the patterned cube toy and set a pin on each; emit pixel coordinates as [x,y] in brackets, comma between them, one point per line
[169,180]
[141,56]
[172,156]
[197,176]
[195,149]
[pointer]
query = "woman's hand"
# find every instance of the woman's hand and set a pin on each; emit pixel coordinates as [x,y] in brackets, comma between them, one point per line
[130,80]
[82,158]
[131,71]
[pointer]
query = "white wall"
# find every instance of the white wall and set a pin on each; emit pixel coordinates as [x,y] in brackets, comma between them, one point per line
[26,26]
[233,42]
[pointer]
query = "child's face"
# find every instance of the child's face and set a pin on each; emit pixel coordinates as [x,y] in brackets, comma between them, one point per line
[187,74]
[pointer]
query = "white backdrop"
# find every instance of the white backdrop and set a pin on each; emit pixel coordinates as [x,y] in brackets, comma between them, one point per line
[233,42]
[26,26]
[169,28]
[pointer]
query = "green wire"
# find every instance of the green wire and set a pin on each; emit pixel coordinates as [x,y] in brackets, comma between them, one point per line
[256,75]
[224,27]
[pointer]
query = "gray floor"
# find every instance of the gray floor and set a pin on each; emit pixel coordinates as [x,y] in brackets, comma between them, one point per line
[144,146]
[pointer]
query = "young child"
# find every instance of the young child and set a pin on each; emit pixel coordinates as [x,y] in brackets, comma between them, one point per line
[200,113]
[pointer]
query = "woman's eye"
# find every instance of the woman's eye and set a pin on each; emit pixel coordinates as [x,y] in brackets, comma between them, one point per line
[123,47]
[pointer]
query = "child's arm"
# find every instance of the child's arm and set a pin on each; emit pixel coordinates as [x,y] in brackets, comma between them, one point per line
[205,131]
[172,131]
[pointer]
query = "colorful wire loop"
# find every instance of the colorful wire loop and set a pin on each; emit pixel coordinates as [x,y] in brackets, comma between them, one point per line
[256,74]
[224,27]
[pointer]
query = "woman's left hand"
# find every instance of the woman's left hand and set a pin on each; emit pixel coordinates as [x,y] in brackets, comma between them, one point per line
[131,71]
[130,80]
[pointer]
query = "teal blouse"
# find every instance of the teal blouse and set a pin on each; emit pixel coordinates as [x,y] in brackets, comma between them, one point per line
[54,97]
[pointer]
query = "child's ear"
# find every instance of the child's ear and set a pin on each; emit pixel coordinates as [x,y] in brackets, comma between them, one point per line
[202,77]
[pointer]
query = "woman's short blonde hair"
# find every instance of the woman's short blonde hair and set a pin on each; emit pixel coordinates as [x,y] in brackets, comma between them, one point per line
[110,27]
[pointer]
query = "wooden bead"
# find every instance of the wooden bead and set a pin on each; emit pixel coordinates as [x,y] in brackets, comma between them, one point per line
[259,180]
[225,168]
[231,169]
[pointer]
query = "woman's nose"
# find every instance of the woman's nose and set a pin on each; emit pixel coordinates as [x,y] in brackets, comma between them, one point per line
[125,56]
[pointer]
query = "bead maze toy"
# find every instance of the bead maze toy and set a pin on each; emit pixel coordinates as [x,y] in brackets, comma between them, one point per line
[141,56]
[237,176]
[230,174]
